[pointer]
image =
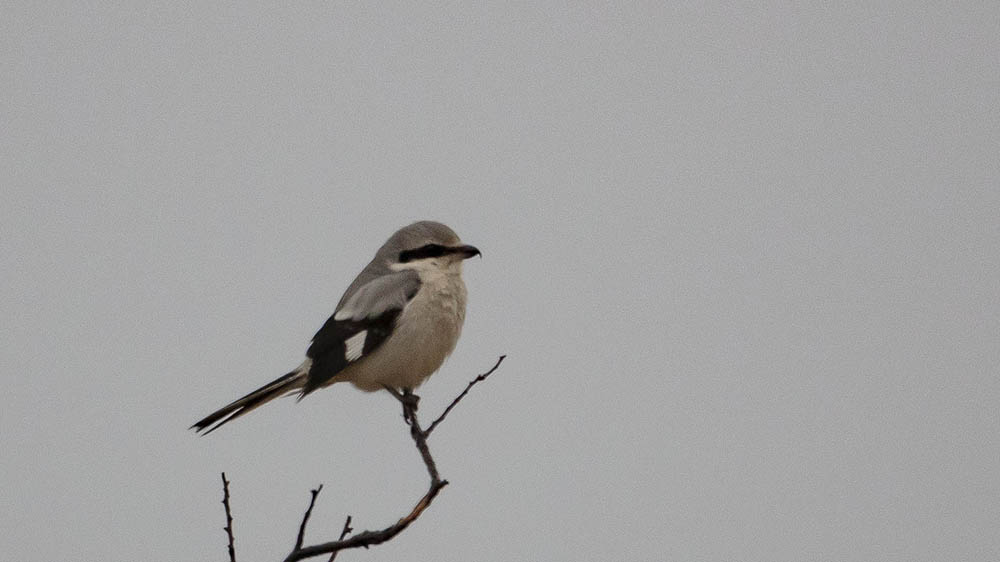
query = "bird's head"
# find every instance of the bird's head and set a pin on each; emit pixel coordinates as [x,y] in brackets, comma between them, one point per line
[427,246]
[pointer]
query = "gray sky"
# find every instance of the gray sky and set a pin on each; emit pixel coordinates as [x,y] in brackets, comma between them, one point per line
[744,263]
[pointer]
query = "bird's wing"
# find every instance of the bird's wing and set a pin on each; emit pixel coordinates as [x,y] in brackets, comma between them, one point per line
[359,326]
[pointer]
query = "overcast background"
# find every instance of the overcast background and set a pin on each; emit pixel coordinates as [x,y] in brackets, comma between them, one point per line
[743,262]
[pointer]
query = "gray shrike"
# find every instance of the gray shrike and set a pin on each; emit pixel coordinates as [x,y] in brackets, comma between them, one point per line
[394,326]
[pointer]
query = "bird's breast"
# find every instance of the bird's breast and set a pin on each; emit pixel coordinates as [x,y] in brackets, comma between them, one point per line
[424,336]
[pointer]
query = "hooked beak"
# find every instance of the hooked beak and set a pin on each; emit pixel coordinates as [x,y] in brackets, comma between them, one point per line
[467,251]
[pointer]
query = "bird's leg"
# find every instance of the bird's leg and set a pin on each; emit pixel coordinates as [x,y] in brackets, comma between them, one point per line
[410,402]
[408,399]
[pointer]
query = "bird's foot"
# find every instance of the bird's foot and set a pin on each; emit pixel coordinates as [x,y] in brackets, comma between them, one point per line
[408,399]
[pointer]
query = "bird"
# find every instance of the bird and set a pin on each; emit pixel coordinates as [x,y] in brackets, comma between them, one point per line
[393,327]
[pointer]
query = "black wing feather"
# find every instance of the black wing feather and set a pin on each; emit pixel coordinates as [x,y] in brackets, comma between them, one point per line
[329,352]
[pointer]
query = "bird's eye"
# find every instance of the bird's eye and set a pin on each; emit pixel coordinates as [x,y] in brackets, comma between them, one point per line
[426,251]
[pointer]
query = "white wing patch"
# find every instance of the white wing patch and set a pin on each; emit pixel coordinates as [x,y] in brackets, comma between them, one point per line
[355,345]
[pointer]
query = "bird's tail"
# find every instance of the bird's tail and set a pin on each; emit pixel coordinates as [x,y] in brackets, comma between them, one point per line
[279,387]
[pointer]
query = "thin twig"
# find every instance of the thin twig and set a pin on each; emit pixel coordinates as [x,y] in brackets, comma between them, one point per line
[229,518]
[305,518]
[347,529]
[472,383]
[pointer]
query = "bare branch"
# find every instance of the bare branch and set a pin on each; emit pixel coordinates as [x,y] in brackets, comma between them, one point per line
[369,538]
[229,518]
[305,518]
[409,401]
[343,533]
[472,383]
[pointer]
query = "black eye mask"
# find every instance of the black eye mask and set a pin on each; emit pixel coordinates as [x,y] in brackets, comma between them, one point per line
[426,251]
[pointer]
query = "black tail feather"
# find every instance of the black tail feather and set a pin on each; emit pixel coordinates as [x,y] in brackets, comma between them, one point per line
[262,395]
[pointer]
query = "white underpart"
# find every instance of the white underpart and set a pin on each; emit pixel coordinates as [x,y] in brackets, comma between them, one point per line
[355,345]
